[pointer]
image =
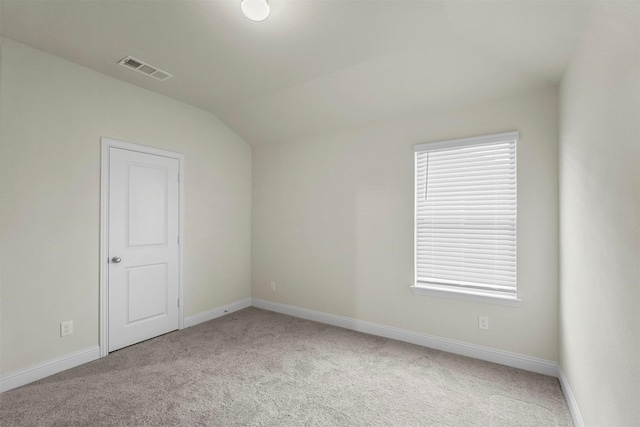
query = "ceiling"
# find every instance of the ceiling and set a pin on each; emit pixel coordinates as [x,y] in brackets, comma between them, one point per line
[316,65]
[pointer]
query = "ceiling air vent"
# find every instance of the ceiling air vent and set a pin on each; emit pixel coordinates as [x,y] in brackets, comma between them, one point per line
[144,68]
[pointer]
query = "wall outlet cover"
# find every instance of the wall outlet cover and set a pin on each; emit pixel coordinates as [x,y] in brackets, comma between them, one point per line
[483,322]
[66,328]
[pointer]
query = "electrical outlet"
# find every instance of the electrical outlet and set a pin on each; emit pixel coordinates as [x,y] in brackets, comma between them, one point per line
[66,328]
[272,286]
[483,322]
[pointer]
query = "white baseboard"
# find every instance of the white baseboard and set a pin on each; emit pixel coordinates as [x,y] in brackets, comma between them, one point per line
[571,400]
[36,372]
[216,312]
[24,376]
[515,360]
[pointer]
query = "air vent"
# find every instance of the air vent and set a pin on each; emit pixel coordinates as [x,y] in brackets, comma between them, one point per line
[130,62]
[144,68]
[147,70]
[160,75]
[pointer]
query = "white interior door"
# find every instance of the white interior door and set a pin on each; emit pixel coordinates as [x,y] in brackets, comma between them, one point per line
[143,250]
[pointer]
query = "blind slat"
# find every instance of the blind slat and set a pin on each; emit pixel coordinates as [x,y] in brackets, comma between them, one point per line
[469,259]
[486,273]
[488,279]
[477,252]
[479,279]
[451,232]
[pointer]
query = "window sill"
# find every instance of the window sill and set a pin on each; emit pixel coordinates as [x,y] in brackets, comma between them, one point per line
[465,296]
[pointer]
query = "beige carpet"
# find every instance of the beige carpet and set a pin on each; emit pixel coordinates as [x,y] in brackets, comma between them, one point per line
[254,367]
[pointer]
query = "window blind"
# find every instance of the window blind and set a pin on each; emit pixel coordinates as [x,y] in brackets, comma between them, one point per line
[466,202]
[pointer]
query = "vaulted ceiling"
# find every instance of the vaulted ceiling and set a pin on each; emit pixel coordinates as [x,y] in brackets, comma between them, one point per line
[312,66]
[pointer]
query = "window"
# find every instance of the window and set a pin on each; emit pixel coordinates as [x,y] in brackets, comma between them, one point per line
[465,218]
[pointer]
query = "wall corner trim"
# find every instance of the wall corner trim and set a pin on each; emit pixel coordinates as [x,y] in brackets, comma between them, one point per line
[216,312]
[571,399]
[33,373]
[515,360]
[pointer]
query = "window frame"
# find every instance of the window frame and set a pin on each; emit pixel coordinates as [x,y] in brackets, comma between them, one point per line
[454,291]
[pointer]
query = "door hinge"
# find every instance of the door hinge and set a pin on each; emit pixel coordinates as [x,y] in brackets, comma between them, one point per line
[178,239]
[178,302]
[178,177]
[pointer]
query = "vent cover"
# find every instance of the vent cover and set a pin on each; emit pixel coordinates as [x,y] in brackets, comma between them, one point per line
[144,68]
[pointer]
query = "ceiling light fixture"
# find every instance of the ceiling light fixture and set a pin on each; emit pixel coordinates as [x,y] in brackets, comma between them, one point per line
[255,10]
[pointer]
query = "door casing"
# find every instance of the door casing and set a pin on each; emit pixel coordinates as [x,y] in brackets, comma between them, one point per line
[107,144]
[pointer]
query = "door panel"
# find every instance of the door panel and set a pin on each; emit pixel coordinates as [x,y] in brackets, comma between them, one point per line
[147,205]
[147,292]
[143,286]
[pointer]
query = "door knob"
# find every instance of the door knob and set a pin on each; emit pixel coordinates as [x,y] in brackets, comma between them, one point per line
[116,259]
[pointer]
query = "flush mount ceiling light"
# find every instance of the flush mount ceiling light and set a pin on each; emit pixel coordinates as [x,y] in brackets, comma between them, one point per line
[255,10]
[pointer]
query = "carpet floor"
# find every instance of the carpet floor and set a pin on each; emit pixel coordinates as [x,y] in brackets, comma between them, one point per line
[258,368]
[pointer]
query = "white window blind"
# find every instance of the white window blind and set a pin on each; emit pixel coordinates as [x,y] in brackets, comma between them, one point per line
[466,215]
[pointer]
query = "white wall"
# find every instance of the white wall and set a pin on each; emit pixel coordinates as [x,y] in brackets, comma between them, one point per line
[333,225]
[53,115]
[600,218]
